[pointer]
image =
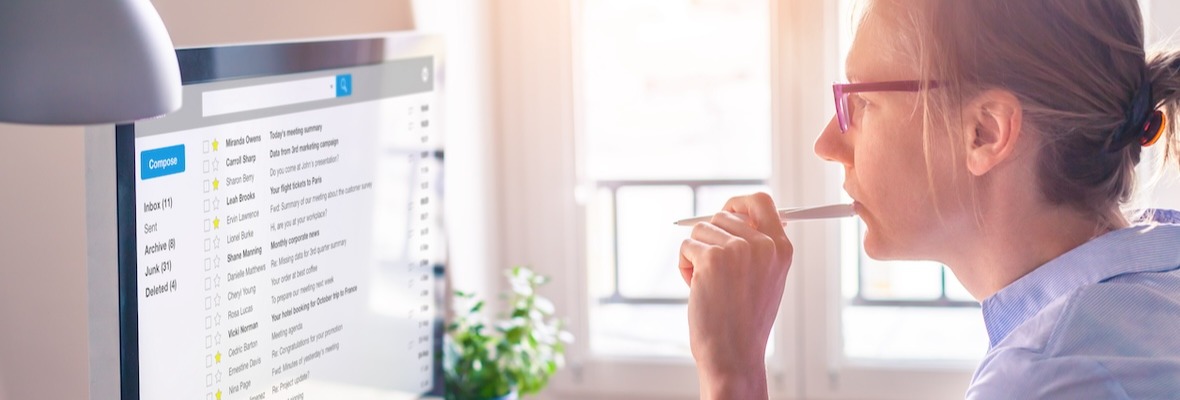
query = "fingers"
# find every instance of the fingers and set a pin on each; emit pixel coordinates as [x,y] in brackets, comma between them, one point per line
[748,227]
[735,224]
[727,232]
[692,251]
[711,233]
[686,267]
[760,208]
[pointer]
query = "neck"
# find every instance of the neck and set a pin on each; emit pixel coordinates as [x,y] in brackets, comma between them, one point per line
[1013,241]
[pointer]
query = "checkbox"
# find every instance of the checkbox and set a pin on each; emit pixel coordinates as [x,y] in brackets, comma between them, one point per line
[208,302]
[208,262]
[207,186]
[208,361]
[208,283]
[205,146]
[209,396]
[208,380]
[208,341]
[208,244]
[208,225]
[207,205]
[205,166]
[208,322]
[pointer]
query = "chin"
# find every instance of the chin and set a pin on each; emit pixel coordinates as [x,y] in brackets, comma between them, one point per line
[879,249]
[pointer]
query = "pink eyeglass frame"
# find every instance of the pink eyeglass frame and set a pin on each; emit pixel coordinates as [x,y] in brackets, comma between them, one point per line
[841,91]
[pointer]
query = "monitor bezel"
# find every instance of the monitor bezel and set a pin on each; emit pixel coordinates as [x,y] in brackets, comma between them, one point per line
[243,61]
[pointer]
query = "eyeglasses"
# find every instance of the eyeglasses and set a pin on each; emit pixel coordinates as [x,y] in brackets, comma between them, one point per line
[846,111]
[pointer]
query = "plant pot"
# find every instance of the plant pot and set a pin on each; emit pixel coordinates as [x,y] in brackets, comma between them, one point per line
[510,396]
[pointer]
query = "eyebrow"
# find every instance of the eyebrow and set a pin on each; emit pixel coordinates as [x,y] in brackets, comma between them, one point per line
[851,72]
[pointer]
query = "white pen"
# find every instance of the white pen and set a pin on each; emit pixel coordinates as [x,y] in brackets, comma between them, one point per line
[793,214]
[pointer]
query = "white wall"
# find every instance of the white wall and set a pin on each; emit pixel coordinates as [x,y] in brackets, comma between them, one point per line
[43,307]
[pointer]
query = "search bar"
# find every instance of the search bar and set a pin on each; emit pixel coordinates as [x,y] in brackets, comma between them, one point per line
[228,101]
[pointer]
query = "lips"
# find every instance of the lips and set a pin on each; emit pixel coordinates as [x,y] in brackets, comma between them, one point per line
[856,205]
[849,191]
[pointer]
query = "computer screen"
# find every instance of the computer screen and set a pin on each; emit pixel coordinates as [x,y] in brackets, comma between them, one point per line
[279,234]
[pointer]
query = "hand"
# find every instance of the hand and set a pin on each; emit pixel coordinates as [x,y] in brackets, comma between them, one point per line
[736,267]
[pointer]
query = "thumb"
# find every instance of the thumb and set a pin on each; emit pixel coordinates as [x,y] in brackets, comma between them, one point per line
[760,207]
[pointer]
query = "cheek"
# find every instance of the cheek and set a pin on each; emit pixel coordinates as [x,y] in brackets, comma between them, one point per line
[891,164]
[896,193]
[894,186]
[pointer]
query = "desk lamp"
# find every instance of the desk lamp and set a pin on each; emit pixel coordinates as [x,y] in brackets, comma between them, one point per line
[77,62]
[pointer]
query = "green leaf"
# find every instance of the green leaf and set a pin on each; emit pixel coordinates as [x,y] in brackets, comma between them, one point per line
[544,305]
[520,351]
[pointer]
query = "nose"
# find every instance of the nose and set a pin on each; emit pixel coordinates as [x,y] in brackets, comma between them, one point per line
[834,145]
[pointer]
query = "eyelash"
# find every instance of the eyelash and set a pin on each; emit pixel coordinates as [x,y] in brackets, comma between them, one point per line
[861,103]
[857,106]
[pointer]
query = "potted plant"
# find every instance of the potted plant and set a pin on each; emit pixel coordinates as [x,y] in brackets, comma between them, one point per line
[515,356]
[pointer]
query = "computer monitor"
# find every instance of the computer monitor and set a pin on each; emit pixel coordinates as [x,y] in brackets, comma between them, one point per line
[278,235]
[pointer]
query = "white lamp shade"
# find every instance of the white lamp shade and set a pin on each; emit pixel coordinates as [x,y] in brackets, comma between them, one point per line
[78,62]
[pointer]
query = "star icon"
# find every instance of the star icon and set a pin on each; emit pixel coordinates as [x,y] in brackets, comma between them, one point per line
[216,223]
[218,338]
[216,183]
[218,376]
[217,300]
[215,163]
[217,320]
[217,242]
[218,357]
[215,149]
[216,203]
[218,390]
[217,263]
[217,281]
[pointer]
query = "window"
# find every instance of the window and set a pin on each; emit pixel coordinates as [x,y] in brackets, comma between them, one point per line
[1163,32]
[675,120]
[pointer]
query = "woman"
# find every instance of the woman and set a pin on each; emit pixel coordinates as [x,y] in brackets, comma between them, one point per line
[998,137]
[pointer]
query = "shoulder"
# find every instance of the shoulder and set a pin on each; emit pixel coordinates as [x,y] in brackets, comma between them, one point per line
[1115,338]
[1126,316]
[1017,373]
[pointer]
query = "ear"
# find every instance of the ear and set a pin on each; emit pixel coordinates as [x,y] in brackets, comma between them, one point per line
[993,124]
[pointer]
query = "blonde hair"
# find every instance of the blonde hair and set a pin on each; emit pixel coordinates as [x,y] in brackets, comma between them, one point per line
[1075,66]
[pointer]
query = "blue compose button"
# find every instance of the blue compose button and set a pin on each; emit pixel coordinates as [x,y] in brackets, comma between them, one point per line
[160,162]
[343,85]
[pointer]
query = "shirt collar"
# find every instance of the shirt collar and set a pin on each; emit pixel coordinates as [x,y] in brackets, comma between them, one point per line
[1149,247]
